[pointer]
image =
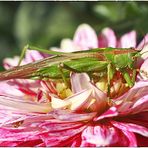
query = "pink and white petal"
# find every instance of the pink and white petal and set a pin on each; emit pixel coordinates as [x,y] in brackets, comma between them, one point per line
[111,112]
[79,101]
[79,82]
[10,62]
[131,128]
[23,143]
[138,91]
[131,138]
[63,137]
[138,119]
[107,38]
[32,55]
[85,37]
[40,127]
[9,90]
[76,142]
[20,88]
[57,103]
[140,105]
[69,116]
[97,99]
[144,52]
[23,105]
[144,70]
[143,43]
[128,40]
[68,45]
[135,98]
[103,135]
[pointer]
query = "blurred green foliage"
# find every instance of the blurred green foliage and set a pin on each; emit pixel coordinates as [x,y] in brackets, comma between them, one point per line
[44,24]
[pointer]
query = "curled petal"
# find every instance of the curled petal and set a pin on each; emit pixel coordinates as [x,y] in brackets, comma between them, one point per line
[85,37]
[134,98]
[75,102]
[107,38]
[128,40]
[79,101]
[97,99]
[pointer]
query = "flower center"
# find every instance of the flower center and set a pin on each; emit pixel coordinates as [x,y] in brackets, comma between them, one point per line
[118,86]
[63,91]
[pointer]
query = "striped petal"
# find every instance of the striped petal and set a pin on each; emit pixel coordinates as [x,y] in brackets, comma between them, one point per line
[107,38]
[128,40]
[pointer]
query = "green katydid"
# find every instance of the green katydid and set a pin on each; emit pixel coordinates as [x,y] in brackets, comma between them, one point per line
[101,61]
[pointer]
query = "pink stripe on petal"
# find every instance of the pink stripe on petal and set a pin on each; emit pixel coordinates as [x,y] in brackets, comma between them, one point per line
[32,55]
[61,138]
[6,89]
[85,37]
[128,40]
[103,135]
[131,127]
[131,138]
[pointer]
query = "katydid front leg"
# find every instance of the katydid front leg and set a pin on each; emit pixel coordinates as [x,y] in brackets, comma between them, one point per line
[61,67]
[22,54]
[110,74]
[127,78]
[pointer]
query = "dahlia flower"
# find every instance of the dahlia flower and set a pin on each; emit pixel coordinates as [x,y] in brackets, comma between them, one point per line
[47,113]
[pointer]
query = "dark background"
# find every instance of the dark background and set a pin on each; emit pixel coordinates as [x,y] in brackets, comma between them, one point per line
[44,24]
